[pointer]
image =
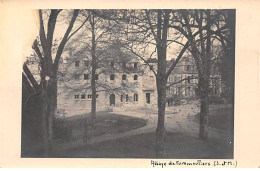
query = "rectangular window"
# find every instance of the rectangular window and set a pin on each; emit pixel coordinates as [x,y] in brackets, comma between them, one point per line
[188,79]
[83,96]
[187,91]
[86,77]
[76,63]
[86,63]
[179,90]
[175,78]
[89,96]
[112,77]
[112,64]
[126,98]
[135,65]
[96,96]
[121,98]
[76,97]
[77,76]
[135,97]
[96,76]
[188,67]
[151,67]
[148,98]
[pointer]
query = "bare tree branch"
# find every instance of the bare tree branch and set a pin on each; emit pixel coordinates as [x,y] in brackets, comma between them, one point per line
[64,40]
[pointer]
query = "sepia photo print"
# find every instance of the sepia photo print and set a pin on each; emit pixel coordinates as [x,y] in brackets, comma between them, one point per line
[130,83]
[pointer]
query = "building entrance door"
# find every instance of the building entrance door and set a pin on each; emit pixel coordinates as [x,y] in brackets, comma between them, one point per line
[112,100]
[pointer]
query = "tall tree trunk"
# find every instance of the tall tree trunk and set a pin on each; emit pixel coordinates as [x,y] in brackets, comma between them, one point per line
[204,109]
[161,79]
[94,65]
[45,112]
[52,96]
[49,96]
[160,130]
[93,100]
[204,84]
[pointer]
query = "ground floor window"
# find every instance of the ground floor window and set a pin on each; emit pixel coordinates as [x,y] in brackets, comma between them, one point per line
[83,96]
[76,97]
[90,96]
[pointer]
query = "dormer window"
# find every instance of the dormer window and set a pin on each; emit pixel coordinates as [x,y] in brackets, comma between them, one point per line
[124,65]
[123,77]
[112,64]
[112,77]
[76,63]
[135,77]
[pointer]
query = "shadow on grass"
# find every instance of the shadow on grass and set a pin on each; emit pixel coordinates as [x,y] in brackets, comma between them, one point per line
[106,123]
[178,146]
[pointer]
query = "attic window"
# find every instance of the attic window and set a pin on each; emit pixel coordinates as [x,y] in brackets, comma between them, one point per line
[135,77]
[112,64]
[112,77]
[123,77]
[76,63]
[124,65]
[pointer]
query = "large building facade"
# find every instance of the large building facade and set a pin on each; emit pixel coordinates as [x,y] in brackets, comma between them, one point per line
[119,85]
[126,84]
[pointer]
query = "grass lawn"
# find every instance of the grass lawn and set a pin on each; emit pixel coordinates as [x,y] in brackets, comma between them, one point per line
[106,123]
[178,146]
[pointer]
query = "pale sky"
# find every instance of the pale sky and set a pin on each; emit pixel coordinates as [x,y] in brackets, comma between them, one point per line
[62,24]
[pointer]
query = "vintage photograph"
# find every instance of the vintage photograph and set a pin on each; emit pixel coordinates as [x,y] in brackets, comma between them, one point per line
[130,83]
